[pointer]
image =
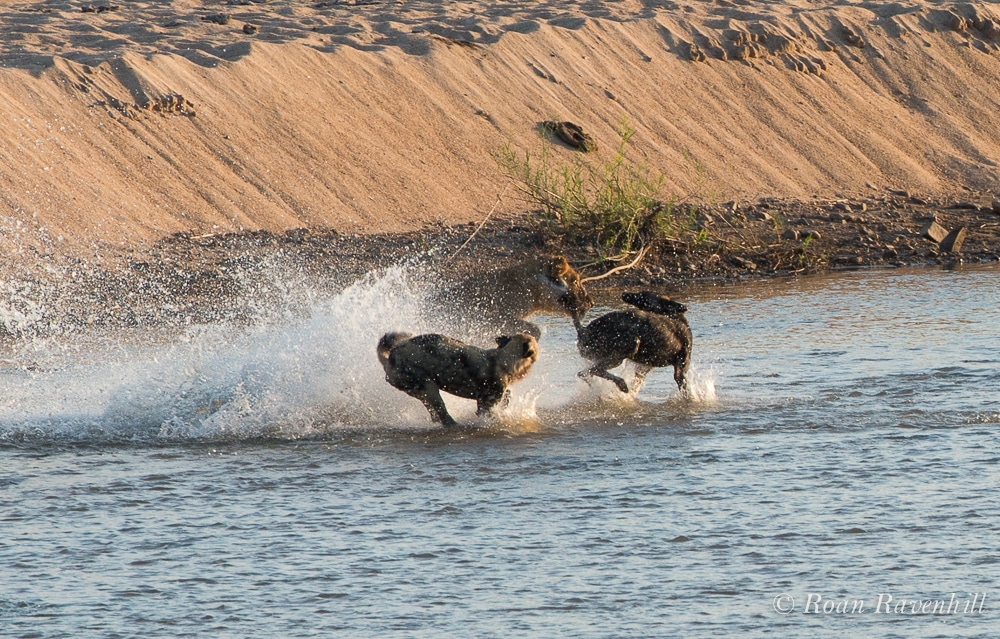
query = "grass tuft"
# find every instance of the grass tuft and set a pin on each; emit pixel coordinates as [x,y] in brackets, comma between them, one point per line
[613,202]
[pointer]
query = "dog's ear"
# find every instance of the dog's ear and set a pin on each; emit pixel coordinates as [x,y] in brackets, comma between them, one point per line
[502,341]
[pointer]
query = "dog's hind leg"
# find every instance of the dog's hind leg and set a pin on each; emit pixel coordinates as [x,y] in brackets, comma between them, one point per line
[680,372]
[680,376]
[431,398]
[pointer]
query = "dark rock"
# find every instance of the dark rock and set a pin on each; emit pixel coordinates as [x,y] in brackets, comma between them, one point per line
[853,39]
[810,234]
[969,206]
[217,18]
[996,206]
[934,232]
[250,29]
[953,242]
[790,234]
[571,134]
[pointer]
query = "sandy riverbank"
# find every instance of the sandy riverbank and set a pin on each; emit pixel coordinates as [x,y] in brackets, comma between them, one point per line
[380,117]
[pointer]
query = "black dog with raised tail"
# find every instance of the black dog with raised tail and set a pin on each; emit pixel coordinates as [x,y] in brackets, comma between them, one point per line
[656,334]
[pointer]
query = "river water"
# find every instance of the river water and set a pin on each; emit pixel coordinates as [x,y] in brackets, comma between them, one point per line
[836,474]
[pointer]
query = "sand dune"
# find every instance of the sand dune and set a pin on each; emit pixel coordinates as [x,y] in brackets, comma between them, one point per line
[124,123]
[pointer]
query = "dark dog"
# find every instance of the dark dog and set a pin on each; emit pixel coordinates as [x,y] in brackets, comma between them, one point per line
[497,301]
[655,335]
[425,365]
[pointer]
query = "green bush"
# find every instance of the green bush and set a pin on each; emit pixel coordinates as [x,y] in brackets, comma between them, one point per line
[615,201]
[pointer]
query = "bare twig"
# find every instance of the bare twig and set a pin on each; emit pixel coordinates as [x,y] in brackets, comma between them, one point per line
[481,224]
[617,269]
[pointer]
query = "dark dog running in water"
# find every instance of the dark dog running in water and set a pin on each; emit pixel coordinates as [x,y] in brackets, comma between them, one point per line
[655,335]
[425,365]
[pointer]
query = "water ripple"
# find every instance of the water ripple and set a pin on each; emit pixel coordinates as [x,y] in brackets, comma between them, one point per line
[226,492]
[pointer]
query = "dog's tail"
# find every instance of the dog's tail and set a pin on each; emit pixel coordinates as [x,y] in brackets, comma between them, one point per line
[387,343]
[655,303]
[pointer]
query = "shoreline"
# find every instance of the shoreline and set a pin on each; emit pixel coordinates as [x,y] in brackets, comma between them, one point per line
[187,279]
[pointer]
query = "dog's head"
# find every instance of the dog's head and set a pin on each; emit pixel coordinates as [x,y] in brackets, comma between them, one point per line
[515,356]
[654,303]
[522,346]
[557,274]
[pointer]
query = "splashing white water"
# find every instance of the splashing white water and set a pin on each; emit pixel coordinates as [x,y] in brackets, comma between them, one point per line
[299,374]
[701,386]
[278,379]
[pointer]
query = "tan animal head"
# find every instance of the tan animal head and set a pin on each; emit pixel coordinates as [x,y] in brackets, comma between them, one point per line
[555,274]
[515,356]
[497,301]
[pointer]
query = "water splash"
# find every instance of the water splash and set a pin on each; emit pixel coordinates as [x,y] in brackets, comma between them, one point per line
[701,386]
[290,378]
[304,367]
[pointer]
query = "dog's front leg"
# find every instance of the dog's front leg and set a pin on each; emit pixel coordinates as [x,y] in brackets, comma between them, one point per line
[611,377]
[600,369]
[485,404]
[431,398]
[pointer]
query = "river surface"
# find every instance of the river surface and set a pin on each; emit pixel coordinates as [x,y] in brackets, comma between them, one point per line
[837,473]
